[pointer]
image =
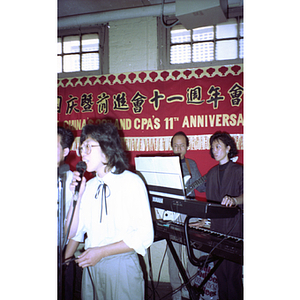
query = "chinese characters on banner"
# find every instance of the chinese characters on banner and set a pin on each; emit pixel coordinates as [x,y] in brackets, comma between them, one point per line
[149,107]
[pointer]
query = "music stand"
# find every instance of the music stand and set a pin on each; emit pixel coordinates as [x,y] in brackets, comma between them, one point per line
[163,177]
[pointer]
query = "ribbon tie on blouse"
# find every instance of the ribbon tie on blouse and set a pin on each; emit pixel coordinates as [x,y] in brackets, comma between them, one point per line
[102,190]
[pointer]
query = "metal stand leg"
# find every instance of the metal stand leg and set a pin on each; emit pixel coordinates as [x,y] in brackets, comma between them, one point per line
[207,277]
[194,294]
[60,233]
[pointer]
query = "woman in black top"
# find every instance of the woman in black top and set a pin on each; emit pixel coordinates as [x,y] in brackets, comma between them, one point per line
[224,185]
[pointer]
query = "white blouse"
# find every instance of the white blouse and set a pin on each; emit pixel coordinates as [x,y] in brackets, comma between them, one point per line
[128,215]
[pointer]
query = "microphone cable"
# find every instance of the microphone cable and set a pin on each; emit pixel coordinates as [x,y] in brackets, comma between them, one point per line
[179,288]
[68,260]
[94,289]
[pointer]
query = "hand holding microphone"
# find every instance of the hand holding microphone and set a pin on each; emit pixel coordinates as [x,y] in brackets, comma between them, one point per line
[78,179]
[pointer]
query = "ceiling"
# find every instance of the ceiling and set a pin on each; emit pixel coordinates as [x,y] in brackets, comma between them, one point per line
[78,7]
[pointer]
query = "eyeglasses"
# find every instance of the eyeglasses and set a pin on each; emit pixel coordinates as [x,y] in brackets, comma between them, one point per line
[87,148]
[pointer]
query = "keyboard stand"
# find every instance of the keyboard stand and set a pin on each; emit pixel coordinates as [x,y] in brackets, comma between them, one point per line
[202,261]
[194,294]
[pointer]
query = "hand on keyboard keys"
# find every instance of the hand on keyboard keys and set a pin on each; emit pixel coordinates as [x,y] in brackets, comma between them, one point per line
[200,223]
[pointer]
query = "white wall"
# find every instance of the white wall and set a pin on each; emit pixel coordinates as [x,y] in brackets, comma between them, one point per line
[157,251]
[133,45]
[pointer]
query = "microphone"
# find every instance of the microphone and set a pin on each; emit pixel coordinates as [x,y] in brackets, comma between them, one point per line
[81,168]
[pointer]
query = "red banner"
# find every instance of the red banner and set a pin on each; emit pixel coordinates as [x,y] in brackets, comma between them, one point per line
[149,107]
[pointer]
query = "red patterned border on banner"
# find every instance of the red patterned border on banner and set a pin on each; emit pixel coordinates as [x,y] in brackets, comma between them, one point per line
[151,76]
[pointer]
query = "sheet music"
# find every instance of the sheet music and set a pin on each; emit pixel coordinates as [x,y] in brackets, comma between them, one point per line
[162,173]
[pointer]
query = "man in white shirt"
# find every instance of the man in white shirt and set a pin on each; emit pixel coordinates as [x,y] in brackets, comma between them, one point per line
[65,139]
[113,211]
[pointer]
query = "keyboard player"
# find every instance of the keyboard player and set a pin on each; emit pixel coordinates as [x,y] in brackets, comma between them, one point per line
[224,185]
[180,144]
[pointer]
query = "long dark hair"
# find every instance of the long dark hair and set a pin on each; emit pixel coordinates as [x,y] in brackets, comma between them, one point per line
[227,139]
[106,134]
